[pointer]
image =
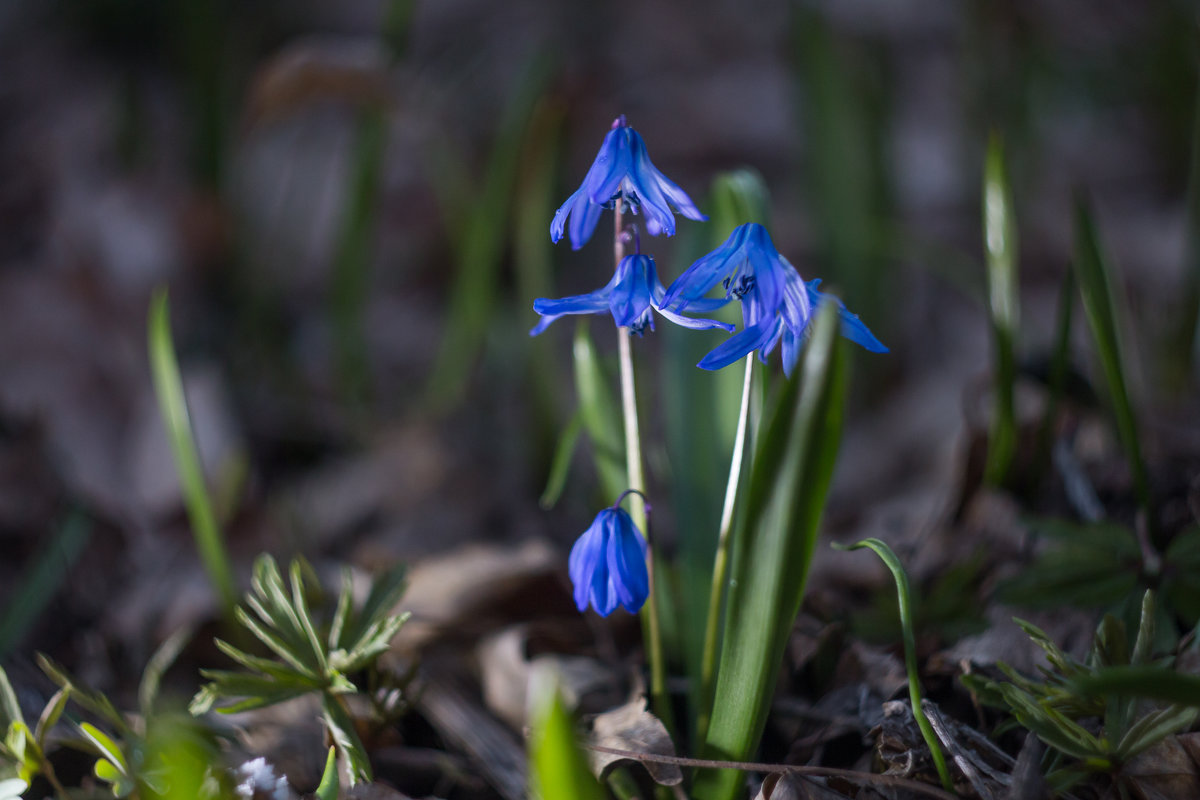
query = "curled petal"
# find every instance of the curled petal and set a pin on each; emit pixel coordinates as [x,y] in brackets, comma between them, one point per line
[627,573]
[851,326]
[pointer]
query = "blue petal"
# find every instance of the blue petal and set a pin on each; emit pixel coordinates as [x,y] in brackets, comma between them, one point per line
[627,572]
[587,563]
[612,164]
[797,306]
[698,279]
[630,298]
[851,326]
[560,217]
[593,303]
[738,345]
[791,351]
[644,177]
[584,216]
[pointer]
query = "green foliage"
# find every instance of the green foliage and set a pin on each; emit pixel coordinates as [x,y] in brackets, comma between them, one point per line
[1000,246]
[168,386]
[557,768]
[23,751]
[600,414]
[1091,564]
[1089,711]
[330,784]
[1101,308]
[904,599]
[772,549]
[306,660]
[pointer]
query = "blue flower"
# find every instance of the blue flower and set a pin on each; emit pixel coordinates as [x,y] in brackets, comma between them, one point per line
[622,171]
[776,302]
[608,564]
[633,291]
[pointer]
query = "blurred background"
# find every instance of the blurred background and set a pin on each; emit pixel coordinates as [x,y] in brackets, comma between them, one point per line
[349,203]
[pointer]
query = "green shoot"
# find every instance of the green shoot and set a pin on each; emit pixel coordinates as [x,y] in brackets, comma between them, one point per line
[904,597]
[306,659]
[1000,245]
[1100,305]
[173,406]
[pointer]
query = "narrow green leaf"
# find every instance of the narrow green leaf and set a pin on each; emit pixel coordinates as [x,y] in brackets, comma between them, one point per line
[300,604]
[51,714]
[330,786]
[1000,246]
[268,585]
[8,702]
[482,235]
[386,591]
[1100,305]
[105,746]
[42,580]
[1153,728]
[904,597]
[92,700]
[560,465]
[557,768]
[281,648]
[168,386]
[156,667]
[1152,683]
[345,607]
[738,196]
[601,417]
[773,548]
[341,730]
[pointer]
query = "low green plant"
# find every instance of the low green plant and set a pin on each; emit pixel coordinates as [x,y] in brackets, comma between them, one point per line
[310,657]
[1091,731]
[23,750]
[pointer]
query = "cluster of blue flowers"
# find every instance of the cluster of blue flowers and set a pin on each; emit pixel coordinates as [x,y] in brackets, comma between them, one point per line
[607,563]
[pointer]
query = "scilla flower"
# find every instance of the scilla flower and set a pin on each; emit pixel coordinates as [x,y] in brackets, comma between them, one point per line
[631,294]
[608,563]
[776,302]
[622,171]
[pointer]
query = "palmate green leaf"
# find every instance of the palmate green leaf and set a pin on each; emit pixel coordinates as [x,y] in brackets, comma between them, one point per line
[1000,246]
[1053,727]
[270,690]
[300,605]
[384,596]
[601,417]
[266,666]
[277,644]
[374,643]
[1100,306]
[271,602]
[345,607]
[1071,576]
[341,730]
[773,548]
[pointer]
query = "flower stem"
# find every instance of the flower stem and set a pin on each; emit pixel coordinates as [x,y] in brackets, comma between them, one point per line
[708,662]
[651,630]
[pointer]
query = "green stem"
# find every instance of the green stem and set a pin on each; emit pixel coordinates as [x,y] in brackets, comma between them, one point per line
[716,598]
[637,503]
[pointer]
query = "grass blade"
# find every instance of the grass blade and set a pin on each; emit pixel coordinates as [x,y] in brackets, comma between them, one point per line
[904,596]
[168,386]
[774,543]
[560,465]
[330,785]
[557,768]
[43,578]
[1100,307]
[1000,246]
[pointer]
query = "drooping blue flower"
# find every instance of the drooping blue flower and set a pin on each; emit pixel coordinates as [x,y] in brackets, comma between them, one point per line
[776,302]
[631,294]
[608,564]
[622,171]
